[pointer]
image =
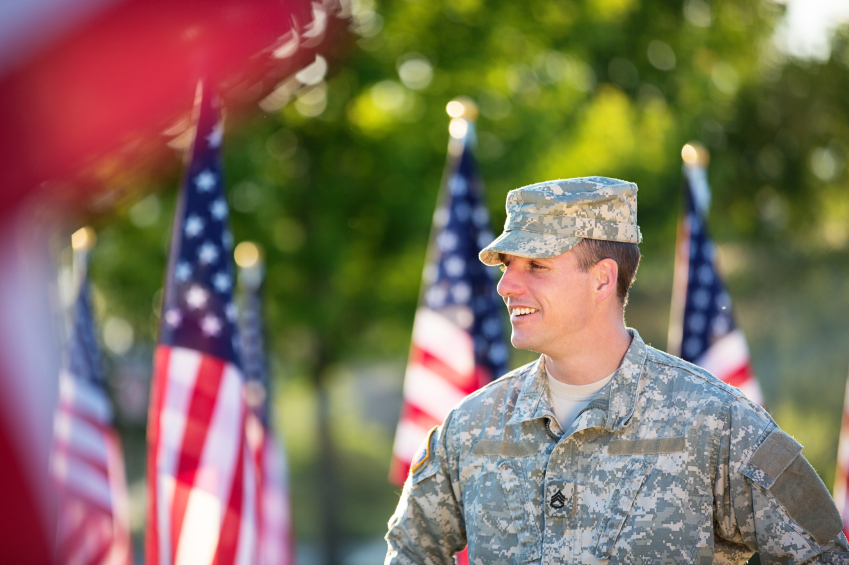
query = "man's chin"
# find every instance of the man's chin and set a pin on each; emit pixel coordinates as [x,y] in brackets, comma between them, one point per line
[524,342]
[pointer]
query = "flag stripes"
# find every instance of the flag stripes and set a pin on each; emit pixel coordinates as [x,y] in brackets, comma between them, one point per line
[201,477]
[87,464]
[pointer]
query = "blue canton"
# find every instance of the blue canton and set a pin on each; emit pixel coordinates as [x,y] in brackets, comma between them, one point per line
[198,311]
[707,313]
[457,281]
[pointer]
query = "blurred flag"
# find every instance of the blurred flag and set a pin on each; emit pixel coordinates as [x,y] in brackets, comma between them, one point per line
[276,539]
[701,326]
[841,478]
[201,477]
[457,335]
[88,465]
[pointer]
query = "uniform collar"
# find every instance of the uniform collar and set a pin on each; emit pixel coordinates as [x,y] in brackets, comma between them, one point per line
[617,399]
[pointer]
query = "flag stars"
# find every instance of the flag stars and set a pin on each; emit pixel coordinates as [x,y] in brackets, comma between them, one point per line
[173,317]
[447,241]
[196,297]
[210,325]
[221,282]
[183,271]
[705,274]
[214,137]
[194,226]
[227,239]
[701,299]
[231,311]
[207,253]
[455,266]
[461,292]
[693,347]
[205,181]
[218,209]
[436,297]
[458,185]
[462,211]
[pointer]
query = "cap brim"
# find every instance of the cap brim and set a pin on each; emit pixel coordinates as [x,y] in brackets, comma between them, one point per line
[527,244]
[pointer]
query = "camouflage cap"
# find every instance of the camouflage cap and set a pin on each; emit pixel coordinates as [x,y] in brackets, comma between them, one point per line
[549,218]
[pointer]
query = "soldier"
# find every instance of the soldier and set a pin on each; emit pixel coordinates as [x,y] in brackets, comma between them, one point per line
[604,450]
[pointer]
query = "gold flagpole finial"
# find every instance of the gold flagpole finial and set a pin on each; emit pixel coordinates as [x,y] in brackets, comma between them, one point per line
[83,239]
[694,153]
[248,254]
[463,107]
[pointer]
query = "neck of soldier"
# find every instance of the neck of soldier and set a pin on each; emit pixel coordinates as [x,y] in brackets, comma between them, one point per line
[592,353]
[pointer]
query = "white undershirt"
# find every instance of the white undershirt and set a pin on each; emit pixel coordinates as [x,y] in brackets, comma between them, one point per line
[568,400]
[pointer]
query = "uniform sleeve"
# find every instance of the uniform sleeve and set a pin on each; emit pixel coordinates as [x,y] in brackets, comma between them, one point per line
[428,526]
[769,499]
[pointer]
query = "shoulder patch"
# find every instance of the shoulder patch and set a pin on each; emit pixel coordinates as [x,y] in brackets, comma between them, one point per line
[423,452]
[775,454]
[779,466]
[806,499]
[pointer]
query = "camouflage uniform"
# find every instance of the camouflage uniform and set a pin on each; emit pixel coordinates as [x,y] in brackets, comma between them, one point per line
[667,464]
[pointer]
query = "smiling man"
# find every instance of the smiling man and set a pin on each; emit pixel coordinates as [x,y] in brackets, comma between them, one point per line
[604,450]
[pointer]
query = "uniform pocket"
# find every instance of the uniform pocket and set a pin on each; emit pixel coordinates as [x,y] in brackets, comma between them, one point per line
[498,518]
[620,505]
[654,517]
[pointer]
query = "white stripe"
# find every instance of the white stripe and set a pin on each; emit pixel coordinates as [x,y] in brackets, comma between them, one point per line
[79,477]
[430,392]
[726,356]
[439,336]
[214,477]
[79,437]
[408,438]
[246,550]
[87,400]
[752,390]
[276,513]
[180,377]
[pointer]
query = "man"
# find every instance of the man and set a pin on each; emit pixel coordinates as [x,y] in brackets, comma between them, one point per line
[604,450]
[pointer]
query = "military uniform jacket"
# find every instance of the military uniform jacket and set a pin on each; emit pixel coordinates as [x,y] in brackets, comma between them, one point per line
[666,465]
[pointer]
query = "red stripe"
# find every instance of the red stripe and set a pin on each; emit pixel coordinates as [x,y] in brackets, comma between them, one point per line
[69,408]
[198,416]
[432,362]
[258,458]
[398,470]
[96,464]
[739,376]
[95,526]
[157,395]
[412,413]
[229,539]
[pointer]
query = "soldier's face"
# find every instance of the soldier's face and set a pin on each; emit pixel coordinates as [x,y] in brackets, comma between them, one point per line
[549,300]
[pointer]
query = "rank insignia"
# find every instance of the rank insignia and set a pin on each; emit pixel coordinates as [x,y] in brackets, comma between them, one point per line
[558,500]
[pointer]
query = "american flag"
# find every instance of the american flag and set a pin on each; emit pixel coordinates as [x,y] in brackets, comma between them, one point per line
[276,540]
[458,343]
[93,527]
[841,478]
[702,328]
[201,476]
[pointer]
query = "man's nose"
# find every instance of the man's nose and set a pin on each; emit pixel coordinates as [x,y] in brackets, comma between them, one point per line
[509,284]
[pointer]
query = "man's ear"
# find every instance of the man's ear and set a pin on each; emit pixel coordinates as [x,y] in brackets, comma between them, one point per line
[605,274]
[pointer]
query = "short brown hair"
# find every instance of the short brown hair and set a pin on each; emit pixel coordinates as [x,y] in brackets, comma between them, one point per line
[627,257]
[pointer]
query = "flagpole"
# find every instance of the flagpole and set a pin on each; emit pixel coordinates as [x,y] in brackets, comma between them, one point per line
[461,129]
[693,154]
